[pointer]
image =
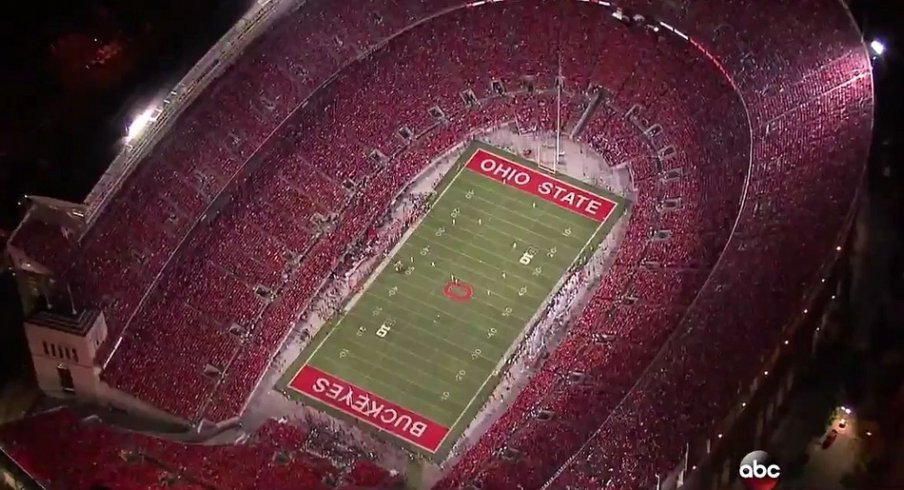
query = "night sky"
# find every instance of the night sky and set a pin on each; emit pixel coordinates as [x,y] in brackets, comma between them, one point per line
[884,20]
[60,122]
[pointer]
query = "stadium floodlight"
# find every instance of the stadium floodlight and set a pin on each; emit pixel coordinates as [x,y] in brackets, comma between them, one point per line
[140,124]
[877,47]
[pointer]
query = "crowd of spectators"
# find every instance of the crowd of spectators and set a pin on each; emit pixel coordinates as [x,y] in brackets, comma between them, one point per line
[62,450]
[745,156]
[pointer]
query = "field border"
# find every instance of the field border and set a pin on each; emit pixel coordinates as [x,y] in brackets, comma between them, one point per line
[470,410]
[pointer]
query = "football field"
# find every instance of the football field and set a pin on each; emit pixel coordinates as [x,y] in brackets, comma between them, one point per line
[416,352]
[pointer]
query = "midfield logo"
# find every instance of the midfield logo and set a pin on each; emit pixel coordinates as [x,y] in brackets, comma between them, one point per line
[759,471]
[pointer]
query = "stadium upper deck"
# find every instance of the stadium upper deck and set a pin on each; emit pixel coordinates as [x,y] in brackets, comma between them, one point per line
[746,129]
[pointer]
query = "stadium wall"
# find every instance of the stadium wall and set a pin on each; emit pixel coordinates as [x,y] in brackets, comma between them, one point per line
[54,351]
[87,386]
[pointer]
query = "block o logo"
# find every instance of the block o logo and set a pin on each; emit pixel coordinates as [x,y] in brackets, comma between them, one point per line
[759,471]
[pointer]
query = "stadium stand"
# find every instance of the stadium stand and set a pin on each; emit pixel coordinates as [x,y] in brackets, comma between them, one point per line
[746,143]
[61,450]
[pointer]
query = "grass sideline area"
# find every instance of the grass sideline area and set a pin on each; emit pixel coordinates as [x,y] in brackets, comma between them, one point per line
[416,353]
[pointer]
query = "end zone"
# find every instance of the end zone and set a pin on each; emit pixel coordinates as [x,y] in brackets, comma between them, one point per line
[548,188]
[369,408]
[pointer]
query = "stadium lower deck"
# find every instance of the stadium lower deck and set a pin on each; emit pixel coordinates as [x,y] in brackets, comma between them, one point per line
[417,351]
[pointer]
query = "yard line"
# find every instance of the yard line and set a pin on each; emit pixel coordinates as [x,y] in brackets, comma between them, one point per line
[542,238]
[506,217]
[391,388]
[487,213]
[531,280]
[515,344]
[562,248]
[481,313]
[492,280]
[396,344]
[448,314]
[385,355]
[576,219]
[443,339]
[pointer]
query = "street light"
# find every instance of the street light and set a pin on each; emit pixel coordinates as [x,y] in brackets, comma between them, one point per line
[140,123]
[877,47]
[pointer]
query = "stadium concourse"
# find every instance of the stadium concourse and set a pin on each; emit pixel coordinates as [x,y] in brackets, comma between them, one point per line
[745,128]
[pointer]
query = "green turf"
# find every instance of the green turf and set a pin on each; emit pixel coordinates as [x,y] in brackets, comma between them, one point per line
[404,340]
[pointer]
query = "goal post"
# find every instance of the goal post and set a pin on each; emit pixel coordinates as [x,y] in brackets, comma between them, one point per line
[549,153]
[548,157]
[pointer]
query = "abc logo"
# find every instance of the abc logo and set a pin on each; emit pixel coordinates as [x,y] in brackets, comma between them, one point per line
[759,471]
[756,470]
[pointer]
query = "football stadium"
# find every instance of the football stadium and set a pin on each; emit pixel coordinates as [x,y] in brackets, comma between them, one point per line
[502,244]
[418,333]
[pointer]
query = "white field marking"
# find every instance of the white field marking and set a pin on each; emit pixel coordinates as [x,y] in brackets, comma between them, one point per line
[382,359]
[517,342]
[434,308]
[489,305]
[478,338]
[362,361]
[534,209]
[431,334]
[489,214]
[533,221]
[492,243]
[557,231]
[383,265]
[428,319]
[508,285]
[531,280]
[474,338]
[391,254]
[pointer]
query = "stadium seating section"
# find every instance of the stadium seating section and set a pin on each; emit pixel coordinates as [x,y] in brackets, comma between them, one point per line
[746,146]
[63,451]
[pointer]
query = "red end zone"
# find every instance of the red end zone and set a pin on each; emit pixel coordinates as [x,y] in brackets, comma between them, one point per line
[370,408]
[543,186]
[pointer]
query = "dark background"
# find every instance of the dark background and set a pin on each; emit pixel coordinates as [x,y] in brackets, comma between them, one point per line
[884,20]
[60,122]
[73,73]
